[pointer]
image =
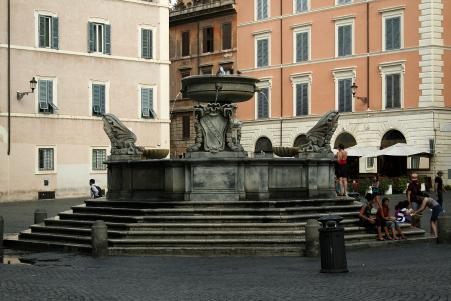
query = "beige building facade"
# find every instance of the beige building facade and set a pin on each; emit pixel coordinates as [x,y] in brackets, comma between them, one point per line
[310,54]
[88,57]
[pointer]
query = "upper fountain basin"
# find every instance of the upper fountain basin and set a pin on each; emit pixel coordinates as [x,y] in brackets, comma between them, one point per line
[222,89]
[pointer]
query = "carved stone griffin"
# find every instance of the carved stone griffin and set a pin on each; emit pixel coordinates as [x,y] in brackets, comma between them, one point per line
[122,139]
[319,136]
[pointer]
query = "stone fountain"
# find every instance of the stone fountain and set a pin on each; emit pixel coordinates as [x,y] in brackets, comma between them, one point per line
[216,167]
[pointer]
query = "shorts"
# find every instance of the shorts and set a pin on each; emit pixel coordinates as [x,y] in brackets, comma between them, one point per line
[435,213]
[342,171]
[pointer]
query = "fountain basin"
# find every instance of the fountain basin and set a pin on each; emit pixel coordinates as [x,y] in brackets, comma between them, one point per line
[231,88]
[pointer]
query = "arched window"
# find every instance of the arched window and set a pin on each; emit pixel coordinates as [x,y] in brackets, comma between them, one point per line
[346,139]
[300,140]
[263,145]
[391,138]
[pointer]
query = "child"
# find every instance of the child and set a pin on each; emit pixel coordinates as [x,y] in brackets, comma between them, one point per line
[389,221]
[402,213]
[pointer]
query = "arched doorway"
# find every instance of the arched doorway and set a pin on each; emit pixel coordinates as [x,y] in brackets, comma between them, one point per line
[263,147]
[353,162]
[392,166]
[300,140]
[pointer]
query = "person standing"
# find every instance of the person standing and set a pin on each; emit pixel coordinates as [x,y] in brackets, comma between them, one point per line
[342,157]
[426,201]
[438,187]
[412,191]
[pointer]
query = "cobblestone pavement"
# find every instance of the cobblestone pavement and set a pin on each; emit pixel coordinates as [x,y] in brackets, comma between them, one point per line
[414,272]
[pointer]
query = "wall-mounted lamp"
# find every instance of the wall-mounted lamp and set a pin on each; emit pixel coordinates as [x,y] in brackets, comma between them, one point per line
[354,90]
[33,83]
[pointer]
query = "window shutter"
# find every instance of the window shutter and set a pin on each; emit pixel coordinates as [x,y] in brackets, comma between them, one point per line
[226,36]
[91,37]
[145,103]
[55,33]
[185,43]
[302,46]
[260,104]
[43,91]
[107,39]
[301,99]
[388,34]
[396,23]
[41,31]
[264,9]
[340,41]
[259,53]
[264,53]
[348,95]
[146,36]
[102,99]
[150,37]
[259,9]
[396,90]
[341,96]
[49,91]
[96,94]
[389,91]
[347,40]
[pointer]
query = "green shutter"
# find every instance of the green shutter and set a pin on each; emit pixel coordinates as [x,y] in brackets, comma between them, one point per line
[91,37]
[96,94]
[107,39]
[55,33]
[43,92]
[41,31]
[146,43]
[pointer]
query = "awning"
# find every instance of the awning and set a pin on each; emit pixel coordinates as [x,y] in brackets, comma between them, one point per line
[402,150]
[360,151]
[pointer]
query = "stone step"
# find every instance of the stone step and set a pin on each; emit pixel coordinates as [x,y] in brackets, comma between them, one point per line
[372,243]
[222,242]
[148,204]
[207,251]
[213,211]
[31,244]
[60,238]
[201,218]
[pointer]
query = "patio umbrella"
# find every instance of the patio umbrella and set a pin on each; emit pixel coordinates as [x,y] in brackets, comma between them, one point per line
[360,151]
[402,150]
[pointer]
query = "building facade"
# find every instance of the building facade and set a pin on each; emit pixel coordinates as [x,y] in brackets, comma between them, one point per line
[202,40]
[88,57]
[395,55]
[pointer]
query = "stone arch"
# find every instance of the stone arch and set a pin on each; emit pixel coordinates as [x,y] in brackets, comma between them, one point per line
[392,137]
[263,145]
[345,138]
[300,140]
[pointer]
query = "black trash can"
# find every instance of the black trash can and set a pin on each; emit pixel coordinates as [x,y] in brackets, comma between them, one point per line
[332,245]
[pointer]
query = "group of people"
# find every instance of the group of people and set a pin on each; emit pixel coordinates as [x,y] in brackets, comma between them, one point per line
[375,214]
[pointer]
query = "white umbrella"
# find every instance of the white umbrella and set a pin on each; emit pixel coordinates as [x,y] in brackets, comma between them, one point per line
[402,150]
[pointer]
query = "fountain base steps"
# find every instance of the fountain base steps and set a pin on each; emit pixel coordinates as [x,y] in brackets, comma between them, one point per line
[264,228]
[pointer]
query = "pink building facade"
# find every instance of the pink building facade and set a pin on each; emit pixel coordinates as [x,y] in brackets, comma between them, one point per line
[309,54]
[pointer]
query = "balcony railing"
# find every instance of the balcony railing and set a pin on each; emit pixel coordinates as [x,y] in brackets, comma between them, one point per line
[199,5]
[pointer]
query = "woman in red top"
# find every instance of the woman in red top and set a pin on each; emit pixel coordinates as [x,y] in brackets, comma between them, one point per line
[342,172]
[388,222]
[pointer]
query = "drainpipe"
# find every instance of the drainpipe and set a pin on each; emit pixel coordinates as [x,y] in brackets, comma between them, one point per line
[281,74]
[9,77]
[198,48]
[368,55]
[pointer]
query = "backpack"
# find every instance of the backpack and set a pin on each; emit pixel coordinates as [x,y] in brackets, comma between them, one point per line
[100,192]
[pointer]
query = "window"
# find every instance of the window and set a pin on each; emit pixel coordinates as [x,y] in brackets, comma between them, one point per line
[343,1]
[206,69]
[226,36]
[185,73]
[98,99]
[392,28]
[185,43]
[146,43]
[186,127]
[369,162]
[147,110]
[98,157]
[302,42]
[48,31]
[344,37]
[302,99]
[262,51]
[45,159]
[261,9]
[46,96]
[301,5]
[415,162]
[208,39]
[228,68]
[99,38]
[393,91]
[263,103]
[345,95]
[392,74]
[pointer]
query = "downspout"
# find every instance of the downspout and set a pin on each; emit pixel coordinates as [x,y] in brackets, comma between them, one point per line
[198,48]
[9,76]
[368,56]
[281,74]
